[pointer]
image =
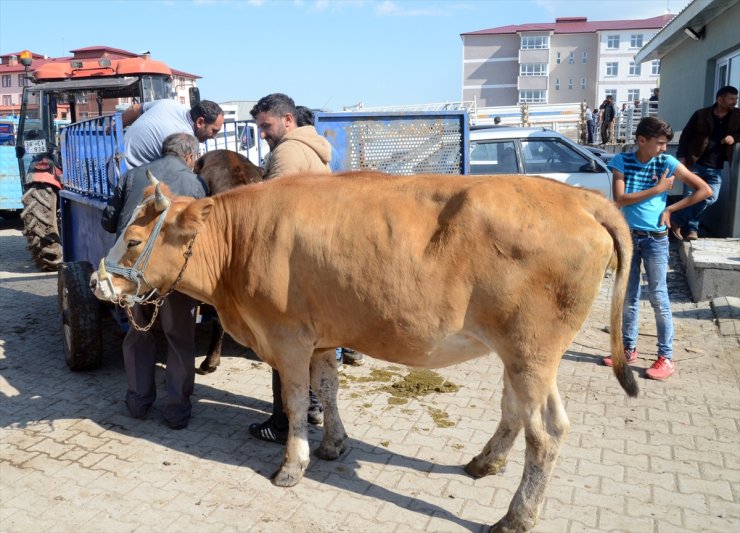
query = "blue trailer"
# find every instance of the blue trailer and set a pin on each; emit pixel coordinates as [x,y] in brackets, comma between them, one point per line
[92,158]
[10,178]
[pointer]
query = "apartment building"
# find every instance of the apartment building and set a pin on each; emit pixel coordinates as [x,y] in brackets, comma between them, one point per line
[13,79]
[570,60]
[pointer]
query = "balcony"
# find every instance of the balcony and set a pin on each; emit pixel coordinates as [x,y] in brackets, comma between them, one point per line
[532,83]
[534,55]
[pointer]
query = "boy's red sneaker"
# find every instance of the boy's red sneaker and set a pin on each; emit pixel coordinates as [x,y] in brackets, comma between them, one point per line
[661,369]
[629,355]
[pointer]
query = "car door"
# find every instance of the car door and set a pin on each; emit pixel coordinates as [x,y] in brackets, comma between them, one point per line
[493,157]
[555,159]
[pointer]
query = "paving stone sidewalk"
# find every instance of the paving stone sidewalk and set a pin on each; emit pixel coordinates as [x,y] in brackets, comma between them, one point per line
[71,460]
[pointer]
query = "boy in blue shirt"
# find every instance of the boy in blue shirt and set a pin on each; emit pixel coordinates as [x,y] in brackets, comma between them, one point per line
[640,188]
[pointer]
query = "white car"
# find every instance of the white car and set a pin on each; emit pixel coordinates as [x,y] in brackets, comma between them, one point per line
[537,152]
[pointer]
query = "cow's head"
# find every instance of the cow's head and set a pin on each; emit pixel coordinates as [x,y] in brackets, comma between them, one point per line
[152,251]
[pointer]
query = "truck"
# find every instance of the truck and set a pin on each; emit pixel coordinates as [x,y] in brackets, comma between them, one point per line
[88,88]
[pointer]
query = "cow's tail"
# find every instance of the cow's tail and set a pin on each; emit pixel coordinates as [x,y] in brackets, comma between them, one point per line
[613,221]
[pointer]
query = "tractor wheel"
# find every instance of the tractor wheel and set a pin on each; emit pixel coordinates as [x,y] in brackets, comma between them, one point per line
[79,317]
[41,226]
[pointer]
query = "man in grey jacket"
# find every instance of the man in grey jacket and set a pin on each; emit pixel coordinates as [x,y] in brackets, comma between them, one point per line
[177,314]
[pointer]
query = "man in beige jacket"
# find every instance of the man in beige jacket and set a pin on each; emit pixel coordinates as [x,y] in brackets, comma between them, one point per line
[293,150]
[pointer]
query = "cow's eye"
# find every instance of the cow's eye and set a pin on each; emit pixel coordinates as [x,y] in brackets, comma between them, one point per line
[133,244]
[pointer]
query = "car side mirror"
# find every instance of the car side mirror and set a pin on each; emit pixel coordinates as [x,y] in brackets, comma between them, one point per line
[589,167]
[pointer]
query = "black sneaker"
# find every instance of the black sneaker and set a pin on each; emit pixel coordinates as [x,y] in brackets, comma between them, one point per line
[268,432]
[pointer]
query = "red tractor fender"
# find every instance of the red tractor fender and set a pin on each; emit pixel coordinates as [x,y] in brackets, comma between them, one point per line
[45,171]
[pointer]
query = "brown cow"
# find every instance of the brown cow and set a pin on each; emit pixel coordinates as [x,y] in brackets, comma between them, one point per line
[426,271]
[222,170]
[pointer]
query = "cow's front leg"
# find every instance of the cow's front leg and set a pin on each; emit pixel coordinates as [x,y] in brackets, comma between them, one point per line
[325,384]
[294,382]
[492,460]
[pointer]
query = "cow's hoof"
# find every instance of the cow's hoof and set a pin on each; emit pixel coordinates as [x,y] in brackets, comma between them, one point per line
[204,369]
[329,453]
[505,525]
[287,476]
[479,468]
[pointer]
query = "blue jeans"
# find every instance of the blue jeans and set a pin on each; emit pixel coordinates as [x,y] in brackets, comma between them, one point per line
[689,217]
[651,252]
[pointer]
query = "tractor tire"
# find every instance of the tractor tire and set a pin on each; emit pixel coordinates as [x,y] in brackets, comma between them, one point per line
[79,317]
[41,226]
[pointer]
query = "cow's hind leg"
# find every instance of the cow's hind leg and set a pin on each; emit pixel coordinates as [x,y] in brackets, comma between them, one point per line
[545,426]
[492,459]
[325,384]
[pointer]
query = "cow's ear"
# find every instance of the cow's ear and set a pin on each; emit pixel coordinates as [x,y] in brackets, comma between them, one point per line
[190,220]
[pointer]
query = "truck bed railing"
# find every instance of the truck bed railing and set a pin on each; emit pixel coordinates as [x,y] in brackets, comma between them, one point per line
[92,156]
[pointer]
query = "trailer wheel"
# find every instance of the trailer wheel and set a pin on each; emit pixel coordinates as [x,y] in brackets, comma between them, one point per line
[41,226]
[79,317]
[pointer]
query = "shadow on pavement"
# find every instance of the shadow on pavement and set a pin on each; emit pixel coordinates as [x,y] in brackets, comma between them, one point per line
[39,388]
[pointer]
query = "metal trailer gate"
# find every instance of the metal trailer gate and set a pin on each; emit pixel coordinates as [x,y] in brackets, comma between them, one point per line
[398,143]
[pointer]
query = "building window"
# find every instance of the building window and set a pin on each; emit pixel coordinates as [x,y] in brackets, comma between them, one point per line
[612,69]
[572,58]
[585,57]
[6,80]
[636,40]
[612,93]
[21,80]
[635,68]
[633,94]
[7,99]
[612,42]
[583,83]
[557,84]
[533,97]
[557,58]
[570,84]
[539,41]
[533,69]
[655,67]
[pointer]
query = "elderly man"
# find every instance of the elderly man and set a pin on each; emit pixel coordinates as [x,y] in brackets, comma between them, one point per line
[177,314]
[151,122]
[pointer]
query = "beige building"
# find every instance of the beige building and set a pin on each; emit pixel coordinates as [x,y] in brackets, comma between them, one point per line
[570,60]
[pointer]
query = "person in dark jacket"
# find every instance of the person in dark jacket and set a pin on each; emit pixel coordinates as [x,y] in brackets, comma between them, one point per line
[706,142]
[177,314]
[608,113]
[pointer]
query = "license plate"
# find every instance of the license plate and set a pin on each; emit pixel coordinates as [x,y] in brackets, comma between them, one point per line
[36,146]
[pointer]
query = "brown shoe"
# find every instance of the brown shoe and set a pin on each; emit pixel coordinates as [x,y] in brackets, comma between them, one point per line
[676,230]
[692,236]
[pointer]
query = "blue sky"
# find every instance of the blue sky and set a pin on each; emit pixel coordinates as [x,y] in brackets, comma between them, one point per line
[323,53]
